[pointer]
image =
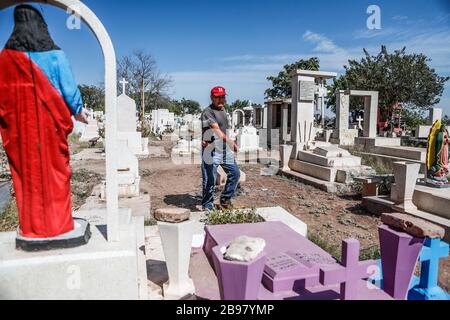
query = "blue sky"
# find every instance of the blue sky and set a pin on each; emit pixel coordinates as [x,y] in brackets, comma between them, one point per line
[238,44]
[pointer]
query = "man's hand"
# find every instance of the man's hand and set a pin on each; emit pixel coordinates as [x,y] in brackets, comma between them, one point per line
[235,148]
[82,117]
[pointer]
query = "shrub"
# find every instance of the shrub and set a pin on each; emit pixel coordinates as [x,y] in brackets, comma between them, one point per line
[232,216]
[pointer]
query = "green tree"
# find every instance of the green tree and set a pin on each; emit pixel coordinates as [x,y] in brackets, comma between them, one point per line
[190,106]
[237,105]
[446,120]
[282,84]
[93,97]
[173,106]
[398,77]
[413,118]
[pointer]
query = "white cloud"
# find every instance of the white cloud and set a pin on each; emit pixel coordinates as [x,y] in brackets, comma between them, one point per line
[399,18]
[323,44]
[246,74]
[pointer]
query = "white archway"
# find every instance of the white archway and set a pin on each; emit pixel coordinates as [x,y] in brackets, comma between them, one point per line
[92,21]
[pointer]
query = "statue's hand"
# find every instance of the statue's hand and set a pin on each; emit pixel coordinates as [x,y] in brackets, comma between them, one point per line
[82,117]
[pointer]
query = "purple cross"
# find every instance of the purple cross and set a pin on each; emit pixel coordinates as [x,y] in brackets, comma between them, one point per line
[349,273]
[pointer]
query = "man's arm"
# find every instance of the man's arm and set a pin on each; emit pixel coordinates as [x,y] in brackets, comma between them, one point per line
[222,136]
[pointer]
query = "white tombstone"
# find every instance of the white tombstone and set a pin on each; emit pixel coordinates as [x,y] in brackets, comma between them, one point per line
[343,135]
[127,174]
[304,91]
[248,139]
[90,131]
[126,125]
[434,115]
[162,120]
[406,175]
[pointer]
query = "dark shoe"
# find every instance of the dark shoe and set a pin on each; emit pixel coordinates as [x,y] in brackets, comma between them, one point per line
[226,204]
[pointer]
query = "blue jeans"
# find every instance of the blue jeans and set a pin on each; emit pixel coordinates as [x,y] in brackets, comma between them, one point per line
[211,160]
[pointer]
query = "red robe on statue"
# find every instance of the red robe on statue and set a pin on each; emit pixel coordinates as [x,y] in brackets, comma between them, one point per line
[35,122]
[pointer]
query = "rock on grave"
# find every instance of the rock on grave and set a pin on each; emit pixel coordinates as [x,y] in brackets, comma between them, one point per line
[172,215]
[413,226]
[244,249]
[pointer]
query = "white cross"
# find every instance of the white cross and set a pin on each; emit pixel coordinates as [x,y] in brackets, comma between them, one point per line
[124,83]
[359,122]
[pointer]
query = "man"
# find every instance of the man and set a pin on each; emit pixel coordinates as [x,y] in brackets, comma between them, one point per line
[218,150]
[38,96]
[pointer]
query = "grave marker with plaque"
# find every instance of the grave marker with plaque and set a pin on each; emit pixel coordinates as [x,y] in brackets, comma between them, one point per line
[307,90]
[293,270]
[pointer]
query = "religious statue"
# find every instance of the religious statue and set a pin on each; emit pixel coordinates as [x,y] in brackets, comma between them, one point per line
[38,97]
[438,155]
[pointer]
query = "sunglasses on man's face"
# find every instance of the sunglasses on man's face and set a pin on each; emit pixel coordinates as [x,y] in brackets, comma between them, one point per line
[219,97]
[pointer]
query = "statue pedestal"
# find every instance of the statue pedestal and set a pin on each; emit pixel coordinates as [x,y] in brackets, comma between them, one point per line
[176,240]
[78,237]
[89,272]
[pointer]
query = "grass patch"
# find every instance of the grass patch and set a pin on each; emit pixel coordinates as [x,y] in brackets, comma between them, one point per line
[371,253]
[73,138]
[334,250]
[233,216]
[9,220]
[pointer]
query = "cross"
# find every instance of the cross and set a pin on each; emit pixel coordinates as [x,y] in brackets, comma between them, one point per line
[433,250]
[349,273]
[124,83]
[359,122]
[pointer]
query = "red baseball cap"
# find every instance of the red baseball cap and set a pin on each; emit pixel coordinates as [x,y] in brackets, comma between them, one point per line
[218,92]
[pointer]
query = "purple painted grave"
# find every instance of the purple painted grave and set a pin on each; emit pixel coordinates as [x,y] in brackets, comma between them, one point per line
[238,280]
[350,273]
[399,254]
[293,270]
[292,267]
[279,239]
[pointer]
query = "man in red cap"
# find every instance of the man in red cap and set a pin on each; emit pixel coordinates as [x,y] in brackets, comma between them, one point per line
[218,150]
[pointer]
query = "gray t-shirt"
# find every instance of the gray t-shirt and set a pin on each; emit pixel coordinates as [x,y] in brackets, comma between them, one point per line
[212,115]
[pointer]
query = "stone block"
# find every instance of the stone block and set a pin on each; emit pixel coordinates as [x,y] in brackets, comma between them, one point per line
[369,143]
[329,161]
[331,152]
[417,154]
[414,226]
[172,215]
[244,249]
[319,172]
